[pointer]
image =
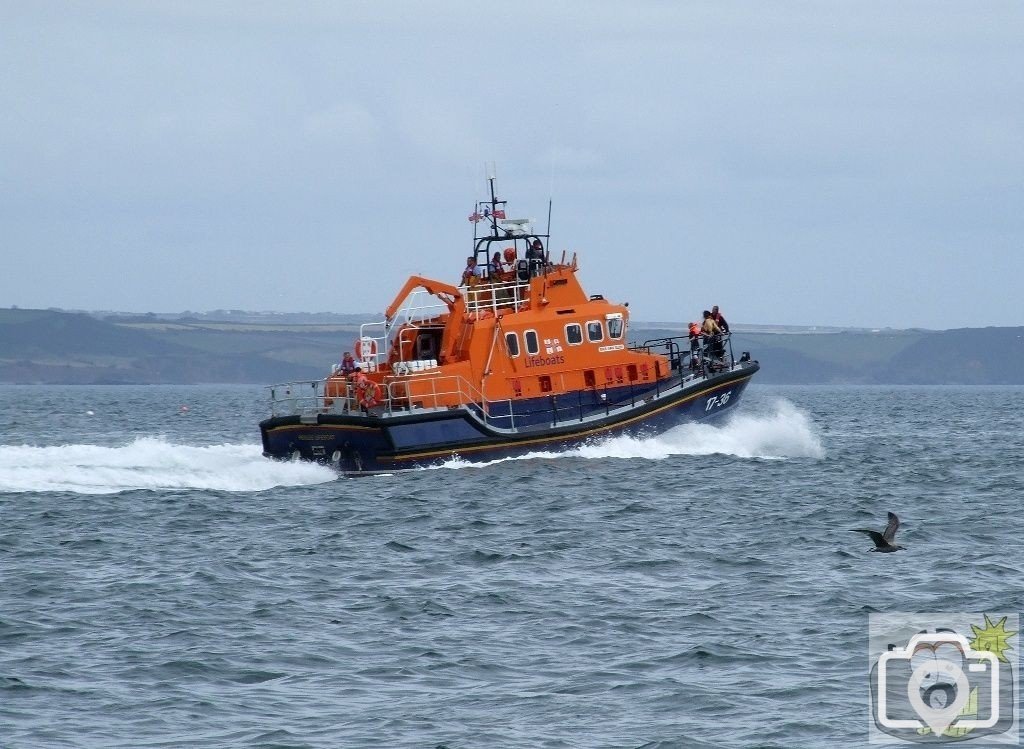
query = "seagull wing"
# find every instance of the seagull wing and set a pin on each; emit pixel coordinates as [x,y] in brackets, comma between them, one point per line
[890,530]
[877,537]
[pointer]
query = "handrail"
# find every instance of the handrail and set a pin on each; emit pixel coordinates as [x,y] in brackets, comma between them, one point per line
[707,357]
[310,398]
[372,361]
[442,389]
[495,295]
[335,396]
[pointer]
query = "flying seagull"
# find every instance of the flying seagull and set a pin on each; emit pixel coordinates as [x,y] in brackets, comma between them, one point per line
[884,540]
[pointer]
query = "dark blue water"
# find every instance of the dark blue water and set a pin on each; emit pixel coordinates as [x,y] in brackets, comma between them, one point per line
[161,585]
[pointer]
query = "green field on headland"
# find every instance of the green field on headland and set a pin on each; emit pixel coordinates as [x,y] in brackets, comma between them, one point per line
[53,346]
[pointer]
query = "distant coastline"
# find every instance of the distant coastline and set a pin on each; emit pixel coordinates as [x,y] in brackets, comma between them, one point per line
[234,346]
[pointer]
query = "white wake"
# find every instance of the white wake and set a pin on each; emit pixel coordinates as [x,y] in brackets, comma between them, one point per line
[783,431]
[149,463]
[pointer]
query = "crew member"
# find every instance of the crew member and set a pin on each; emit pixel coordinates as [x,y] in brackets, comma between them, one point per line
[495,267]
[367,392]
[719,319]
[472,273]
[535,256]
[694,345]
[712,334]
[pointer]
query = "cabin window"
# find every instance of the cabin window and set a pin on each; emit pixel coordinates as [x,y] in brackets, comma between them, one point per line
[615,327]
[512,344]
[532,346]
[595,333]
[574,334]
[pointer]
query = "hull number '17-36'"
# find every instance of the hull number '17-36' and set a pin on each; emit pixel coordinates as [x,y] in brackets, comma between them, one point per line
[717,401]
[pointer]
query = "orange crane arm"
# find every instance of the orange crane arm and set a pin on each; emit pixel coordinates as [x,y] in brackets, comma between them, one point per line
[438,288]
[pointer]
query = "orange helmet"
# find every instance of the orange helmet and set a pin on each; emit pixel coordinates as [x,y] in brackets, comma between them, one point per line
[510,254]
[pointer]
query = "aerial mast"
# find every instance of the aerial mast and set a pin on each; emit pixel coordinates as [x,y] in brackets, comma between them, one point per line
[491,175]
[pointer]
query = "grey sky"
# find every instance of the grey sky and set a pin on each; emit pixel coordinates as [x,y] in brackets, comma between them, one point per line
[835,163]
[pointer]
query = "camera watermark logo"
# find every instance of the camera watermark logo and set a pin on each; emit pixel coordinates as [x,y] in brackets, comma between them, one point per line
[943,678]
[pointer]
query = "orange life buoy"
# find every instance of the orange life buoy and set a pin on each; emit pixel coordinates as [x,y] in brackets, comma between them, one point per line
[366,348]
[369,393]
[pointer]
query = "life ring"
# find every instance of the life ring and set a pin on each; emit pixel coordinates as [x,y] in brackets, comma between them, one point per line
[366,348]
[369,393]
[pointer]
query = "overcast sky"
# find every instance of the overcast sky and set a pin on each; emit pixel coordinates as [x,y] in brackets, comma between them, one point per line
[836,163]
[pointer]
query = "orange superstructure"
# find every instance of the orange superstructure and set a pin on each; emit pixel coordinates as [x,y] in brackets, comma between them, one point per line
[511,340]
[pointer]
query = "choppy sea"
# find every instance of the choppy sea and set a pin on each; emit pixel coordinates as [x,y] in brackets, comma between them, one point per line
[163,585]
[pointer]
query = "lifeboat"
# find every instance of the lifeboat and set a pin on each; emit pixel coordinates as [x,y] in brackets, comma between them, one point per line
[516,357]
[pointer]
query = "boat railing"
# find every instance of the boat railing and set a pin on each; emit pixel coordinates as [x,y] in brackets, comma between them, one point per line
[442,392]
[299,398]
[372,345]
[428,392]
[701,355]
[425,391]
[495,296]
[625,386]
[309,398]
[418,306]
[399,396]
[406,340]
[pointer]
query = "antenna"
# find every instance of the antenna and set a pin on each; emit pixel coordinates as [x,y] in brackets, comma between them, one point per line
[551,192]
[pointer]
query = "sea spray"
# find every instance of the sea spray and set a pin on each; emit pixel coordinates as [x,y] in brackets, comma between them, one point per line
[149,463]
[781,431]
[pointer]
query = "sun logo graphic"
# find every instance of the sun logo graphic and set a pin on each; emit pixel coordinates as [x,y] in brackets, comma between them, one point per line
[993,638]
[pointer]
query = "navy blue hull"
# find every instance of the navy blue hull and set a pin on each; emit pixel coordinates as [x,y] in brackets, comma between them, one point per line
[359,444]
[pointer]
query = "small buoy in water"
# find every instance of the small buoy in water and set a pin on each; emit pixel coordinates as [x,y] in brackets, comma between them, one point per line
[89,413]
[183,409]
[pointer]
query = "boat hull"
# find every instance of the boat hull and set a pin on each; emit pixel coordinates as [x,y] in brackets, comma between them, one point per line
[359,444]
